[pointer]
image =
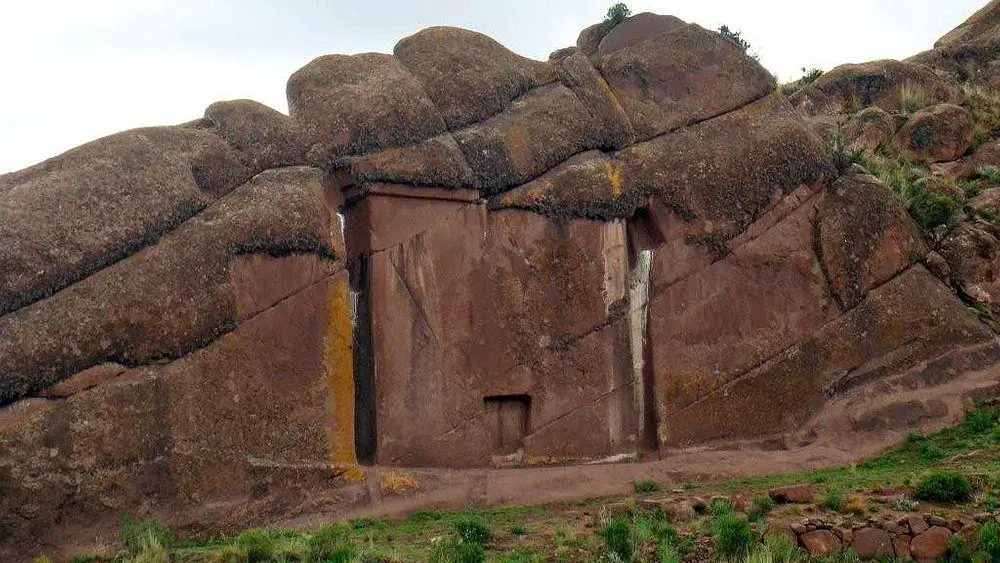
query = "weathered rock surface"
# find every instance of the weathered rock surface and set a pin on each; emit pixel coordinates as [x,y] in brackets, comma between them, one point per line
[501,310]
[865,236]
[356,104]
[878,83]
[670,256]
[967,54]
[467,75]
[681,77]
[821,542]
[170,298]
[639,27]
[931,545]
[936,134]
[871,543]
[870,128]
[85,209]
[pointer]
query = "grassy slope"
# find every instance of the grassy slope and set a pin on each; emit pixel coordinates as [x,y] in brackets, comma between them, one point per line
[572,531]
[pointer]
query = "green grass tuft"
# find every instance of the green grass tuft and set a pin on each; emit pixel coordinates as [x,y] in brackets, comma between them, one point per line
[645,486]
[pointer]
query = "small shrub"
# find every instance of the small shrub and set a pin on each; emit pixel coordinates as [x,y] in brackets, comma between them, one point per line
[616,15]
[834,500]
[979,421]
[617,538]
[915,438]
[930,209]
[645,486]
[905,505]
[929,451]
[735,37]
[472,528]
[810,76]
[362,524]
[944,486]
[765,503]
[141,533]
[331,544]
[733,536]
[518,530]
[454,550]
[856,505]
[258,545]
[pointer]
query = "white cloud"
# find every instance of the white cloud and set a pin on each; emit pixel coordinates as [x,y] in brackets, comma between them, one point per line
[75,70]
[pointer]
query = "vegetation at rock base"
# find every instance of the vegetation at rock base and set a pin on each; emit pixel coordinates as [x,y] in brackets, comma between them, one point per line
[962,479]
[616,15]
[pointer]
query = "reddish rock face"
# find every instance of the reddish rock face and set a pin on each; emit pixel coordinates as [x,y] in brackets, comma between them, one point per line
[681,77]
[870,543]
[220,424]
[821,542]
[797,494]
[936,134]
[668,258]
[870,128]
[477,340]
[865,236]
[639,27]
[931,545]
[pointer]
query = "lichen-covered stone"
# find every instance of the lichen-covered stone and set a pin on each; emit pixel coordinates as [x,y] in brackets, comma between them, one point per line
[468,75]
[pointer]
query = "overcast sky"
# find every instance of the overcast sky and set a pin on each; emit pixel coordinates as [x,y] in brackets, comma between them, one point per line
[75,70]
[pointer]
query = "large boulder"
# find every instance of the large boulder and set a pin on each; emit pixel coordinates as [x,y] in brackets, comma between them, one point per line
[936,134]
[171,298]
[870,129]
[268,138]
[972,251]
[94,205]
[865,236]
[983,23]
[467,75]
[720,181]
[682,76]
[635,29]
[356,104]
[538,131]
[884,83]
[870,341]
[614,128]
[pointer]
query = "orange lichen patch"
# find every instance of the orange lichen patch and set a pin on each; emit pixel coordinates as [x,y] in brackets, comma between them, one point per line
[339,359]
[613,172]
[398,483]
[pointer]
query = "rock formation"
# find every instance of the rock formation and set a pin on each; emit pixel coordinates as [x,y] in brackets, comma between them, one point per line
[455,257]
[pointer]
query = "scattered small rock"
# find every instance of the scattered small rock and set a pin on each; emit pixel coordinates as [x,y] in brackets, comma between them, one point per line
[820,542]
[795,494]
[870,543]
[917,524]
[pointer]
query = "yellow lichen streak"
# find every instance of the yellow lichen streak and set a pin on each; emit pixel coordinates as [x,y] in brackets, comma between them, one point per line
[339,359]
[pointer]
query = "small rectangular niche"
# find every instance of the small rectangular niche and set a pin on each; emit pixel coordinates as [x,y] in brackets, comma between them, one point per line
[508,421]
